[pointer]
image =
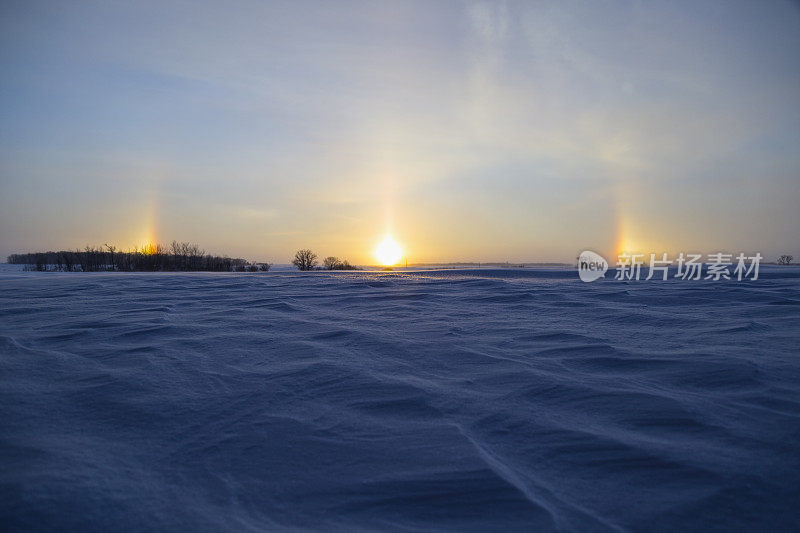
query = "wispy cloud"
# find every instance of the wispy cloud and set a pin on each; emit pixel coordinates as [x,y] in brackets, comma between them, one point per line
[469,129]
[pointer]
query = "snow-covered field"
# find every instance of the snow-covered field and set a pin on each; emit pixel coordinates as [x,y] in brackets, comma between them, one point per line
[455,400]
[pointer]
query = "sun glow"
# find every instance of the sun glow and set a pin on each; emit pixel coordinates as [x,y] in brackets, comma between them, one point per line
[388,251]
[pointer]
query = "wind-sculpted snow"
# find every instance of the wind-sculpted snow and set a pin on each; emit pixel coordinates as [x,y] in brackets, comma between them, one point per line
[444,400]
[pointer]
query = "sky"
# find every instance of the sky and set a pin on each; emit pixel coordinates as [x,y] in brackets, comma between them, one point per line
[469,131]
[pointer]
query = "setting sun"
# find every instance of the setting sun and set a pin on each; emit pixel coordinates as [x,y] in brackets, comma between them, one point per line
[388,251]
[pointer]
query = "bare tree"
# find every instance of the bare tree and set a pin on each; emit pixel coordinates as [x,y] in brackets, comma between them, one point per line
[334,263]
[111,250]
[785,259]
[305,260]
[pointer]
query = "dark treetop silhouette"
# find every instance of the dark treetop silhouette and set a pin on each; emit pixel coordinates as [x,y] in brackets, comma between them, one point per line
[179,256]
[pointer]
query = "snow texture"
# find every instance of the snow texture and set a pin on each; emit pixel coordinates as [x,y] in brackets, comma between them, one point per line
[460,400]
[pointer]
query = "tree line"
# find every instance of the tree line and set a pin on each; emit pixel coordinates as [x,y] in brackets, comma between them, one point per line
[307,260]
[178,256]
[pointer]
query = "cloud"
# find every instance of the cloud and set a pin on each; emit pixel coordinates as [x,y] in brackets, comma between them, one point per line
[508,123]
